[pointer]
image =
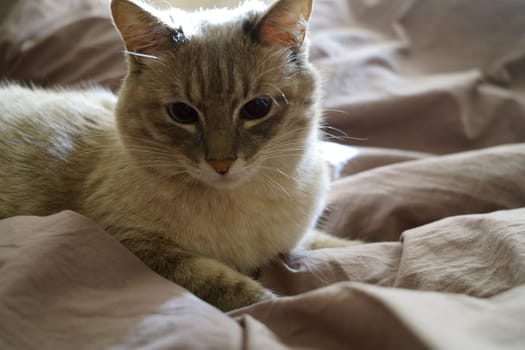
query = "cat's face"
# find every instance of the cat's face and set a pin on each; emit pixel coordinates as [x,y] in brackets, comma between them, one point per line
[219,102]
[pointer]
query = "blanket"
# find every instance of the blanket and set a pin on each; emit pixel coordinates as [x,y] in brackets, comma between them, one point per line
[425,114]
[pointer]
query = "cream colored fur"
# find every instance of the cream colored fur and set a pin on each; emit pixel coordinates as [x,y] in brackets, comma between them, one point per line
[116,161]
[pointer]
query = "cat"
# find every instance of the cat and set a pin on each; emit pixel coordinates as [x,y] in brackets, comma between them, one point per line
[206,165]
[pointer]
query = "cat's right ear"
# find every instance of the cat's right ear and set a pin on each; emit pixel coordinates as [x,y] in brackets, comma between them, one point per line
[143,33]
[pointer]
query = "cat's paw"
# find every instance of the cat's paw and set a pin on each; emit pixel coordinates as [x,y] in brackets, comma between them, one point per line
[267,295]
[320,240]
[232,294]
[246,297]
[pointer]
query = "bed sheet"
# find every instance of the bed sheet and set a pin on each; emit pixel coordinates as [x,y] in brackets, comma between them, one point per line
[425,108]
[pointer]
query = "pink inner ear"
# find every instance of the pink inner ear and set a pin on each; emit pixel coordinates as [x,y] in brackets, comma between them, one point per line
[138,38]
[142,32]
[287,31]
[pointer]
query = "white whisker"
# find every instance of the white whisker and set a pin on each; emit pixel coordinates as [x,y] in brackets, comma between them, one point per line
[143,55]
[276,183]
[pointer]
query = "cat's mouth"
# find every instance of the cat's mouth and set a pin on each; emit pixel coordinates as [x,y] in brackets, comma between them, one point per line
[234,177]
[226,181]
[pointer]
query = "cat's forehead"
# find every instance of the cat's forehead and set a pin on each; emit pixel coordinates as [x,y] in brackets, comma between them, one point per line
[218,58]
[218,54]
[221,70]
[194,23]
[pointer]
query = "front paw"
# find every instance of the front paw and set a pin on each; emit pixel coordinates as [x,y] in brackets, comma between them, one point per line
[209,279]
[320,240]
[250,293]
[267,295]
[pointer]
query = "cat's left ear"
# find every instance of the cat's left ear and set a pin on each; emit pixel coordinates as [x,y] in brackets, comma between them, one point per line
[284,24]
[142,32]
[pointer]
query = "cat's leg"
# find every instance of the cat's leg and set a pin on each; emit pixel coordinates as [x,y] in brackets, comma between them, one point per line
[318,239]
[209,279]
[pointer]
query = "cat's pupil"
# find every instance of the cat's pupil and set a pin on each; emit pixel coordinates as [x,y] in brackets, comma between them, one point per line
[256,108]
[182,113]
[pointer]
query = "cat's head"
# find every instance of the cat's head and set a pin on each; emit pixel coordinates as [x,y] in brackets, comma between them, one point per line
[220,95]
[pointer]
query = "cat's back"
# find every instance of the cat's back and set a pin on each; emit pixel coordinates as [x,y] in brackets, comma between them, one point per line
[52,106]
[42,134]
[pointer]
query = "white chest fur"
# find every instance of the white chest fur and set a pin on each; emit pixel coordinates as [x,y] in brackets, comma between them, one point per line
[242,227]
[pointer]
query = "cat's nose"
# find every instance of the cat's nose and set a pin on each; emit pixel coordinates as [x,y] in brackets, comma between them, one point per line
[221,166]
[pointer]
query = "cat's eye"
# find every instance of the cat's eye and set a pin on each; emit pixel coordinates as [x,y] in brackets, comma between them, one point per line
[182,113]
[256,108]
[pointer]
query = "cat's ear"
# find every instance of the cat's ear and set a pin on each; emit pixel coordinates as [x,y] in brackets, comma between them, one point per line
[142,32]
[284,24]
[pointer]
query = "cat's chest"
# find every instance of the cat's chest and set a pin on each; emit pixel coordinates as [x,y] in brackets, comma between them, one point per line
[246,233]
[242,230]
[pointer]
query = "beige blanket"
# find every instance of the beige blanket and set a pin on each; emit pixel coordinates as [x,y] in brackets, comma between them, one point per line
[431,97]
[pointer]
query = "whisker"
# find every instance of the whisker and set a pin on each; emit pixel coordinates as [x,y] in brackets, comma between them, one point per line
[337,137]
[279,171]
[274,182]
[143,55]
[346,113]
[281,93]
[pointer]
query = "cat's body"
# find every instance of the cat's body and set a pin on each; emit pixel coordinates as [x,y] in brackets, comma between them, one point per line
[51,142]
[232,179]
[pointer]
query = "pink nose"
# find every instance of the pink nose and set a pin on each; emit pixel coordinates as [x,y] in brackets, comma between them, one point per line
[221,166]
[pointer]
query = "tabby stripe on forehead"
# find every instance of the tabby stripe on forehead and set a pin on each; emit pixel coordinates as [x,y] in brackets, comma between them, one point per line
[222,74]
[219,75]
[230,72]
[189,86]
[202,78]
[246,85]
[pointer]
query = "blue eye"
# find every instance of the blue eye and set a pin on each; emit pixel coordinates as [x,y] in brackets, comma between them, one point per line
[182,113]
[256,108]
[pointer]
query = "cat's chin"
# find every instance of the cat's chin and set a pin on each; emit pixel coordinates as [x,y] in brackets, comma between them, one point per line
[225,185]
[223,182]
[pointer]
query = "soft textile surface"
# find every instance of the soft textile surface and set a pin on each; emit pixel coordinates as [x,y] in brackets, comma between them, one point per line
[430,94]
